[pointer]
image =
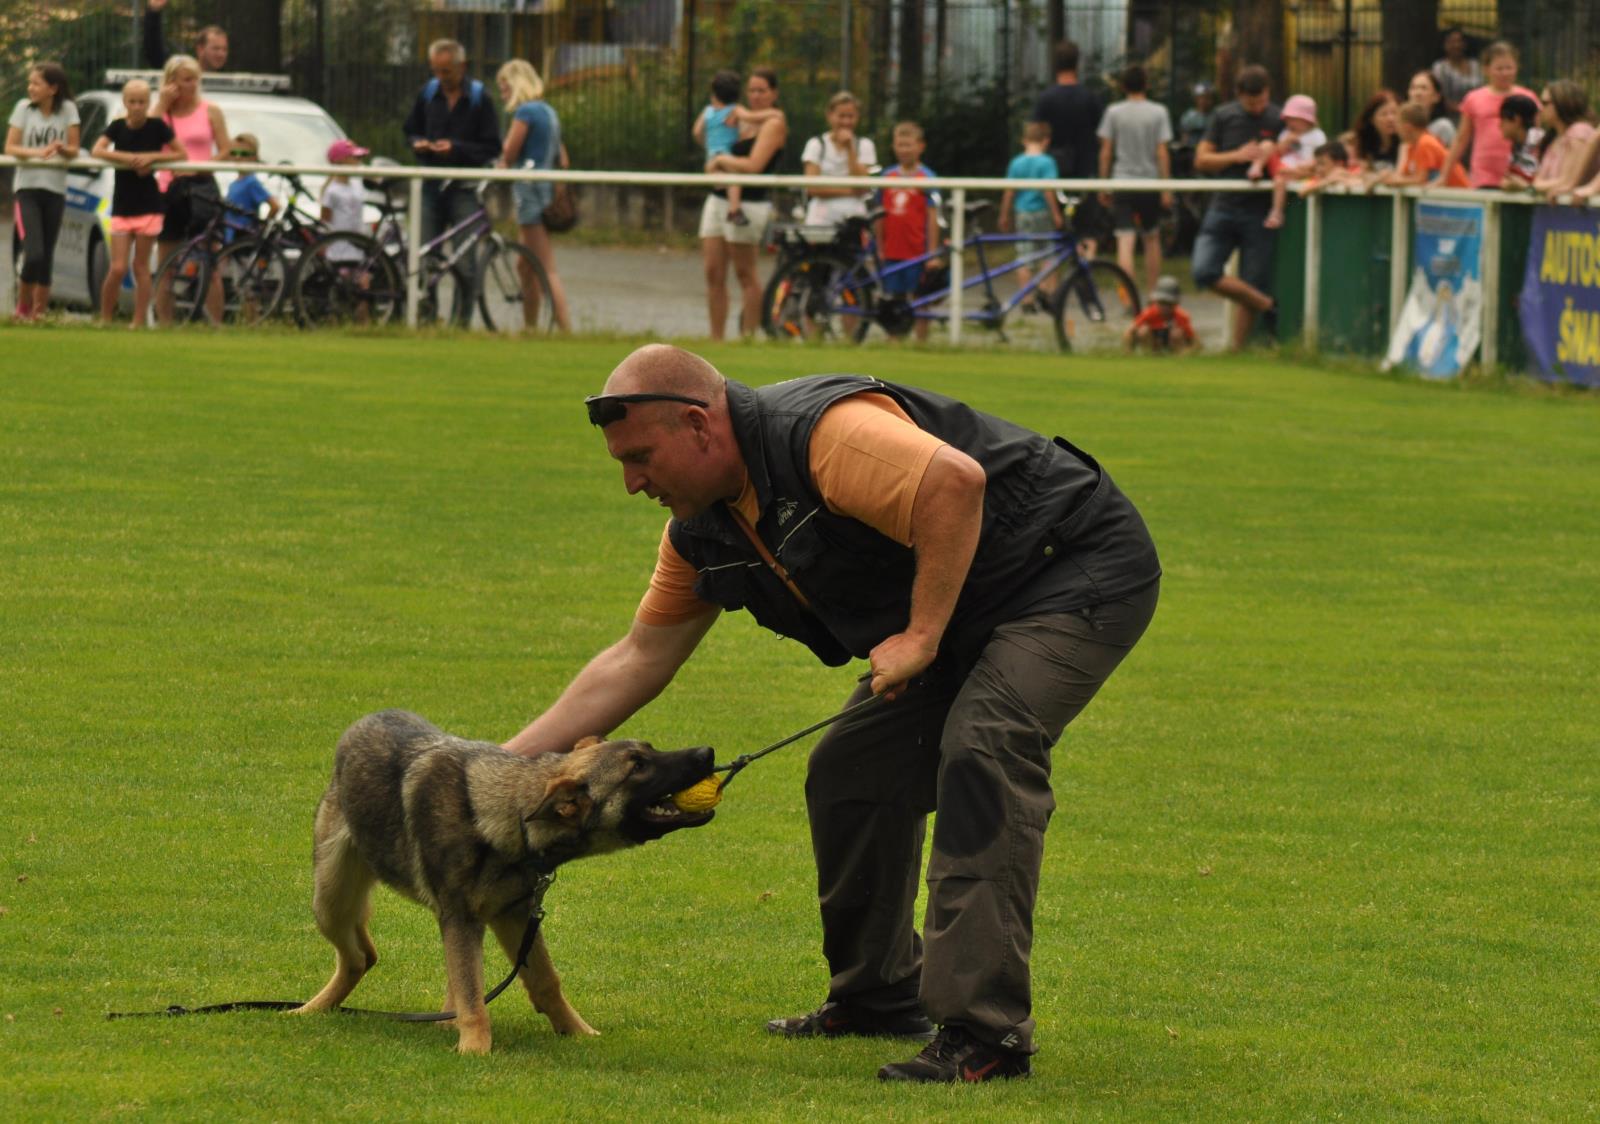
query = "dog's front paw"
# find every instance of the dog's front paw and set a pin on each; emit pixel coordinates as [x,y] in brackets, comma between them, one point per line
[570,1022]
[473,1044]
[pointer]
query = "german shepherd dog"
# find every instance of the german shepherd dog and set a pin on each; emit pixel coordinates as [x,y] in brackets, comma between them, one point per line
[470,830]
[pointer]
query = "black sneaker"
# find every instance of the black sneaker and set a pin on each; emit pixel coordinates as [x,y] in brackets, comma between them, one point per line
[835,1020]
[954,1055]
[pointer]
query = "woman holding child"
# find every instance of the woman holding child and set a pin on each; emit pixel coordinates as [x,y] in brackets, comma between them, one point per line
[763,131]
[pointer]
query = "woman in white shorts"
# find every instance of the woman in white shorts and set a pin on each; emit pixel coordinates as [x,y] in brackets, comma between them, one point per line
[722,242]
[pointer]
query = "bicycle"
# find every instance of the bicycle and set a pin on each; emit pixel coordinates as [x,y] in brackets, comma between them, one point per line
[348,276]
[256,267]
[236,269]
[817,283]
[186,286]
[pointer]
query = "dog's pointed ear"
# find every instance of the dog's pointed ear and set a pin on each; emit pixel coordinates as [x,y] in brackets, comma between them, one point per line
[565,801]
[585,743]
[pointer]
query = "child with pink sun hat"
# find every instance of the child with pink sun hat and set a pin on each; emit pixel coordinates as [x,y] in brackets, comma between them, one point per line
[1295,155]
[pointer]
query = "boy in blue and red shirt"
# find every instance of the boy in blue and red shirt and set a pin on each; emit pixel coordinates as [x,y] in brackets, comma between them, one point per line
[910,224]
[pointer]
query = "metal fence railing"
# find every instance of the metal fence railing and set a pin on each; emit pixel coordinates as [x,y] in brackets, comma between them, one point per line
[954,188]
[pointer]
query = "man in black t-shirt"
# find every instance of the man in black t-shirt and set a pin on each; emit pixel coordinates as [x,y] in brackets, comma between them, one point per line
[1073,113]
[1240,134]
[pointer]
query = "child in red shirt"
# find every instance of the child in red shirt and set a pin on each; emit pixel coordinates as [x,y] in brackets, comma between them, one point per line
[1162,326]
[910,224]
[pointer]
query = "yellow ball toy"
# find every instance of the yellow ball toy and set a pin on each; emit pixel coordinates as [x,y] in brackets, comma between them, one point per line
[701,797]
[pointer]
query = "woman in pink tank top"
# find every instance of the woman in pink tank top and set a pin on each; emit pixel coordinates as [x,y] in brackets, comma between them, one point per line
[191,197]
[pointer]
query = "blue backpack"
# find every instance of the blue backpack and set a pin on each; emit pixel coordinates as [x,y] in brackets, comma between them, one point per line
[474,91]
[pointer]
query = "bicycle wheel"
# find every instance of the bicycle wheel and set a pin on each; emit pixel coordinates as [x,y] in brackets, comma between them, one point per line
[180,284]
[346,278]
[514,291]
[446,296]
[817,297]
[1095,303]
[255,280]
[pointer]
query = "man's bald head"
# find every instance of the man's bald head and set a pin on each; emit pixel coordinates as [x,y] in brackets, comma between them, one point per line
[660,368]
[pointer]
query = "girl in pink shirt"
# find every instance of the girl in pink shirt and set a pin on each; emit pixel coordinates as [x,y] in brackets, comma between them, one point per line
[1480,119]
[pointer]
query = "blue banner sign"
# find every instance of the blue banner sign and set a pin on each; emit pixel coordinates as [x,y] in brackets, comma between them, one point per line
[1441,322]
[1560,301]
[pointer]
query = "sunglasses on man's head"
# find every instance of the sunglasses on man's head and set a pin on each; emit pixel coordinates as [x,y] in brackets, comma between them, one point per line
[607,408]
[242,153]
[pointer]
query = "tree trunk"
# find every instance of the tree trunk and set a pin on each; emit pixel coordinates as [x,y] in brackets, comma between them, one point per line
[910,99]
[255,37]
[1055,22]
[1258,39]
[878,79]
[1410,40]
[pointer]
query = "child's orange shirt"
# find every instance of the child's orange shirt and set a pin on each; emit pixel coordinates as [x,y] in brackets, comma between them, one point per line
[1155,318]
[1427,154]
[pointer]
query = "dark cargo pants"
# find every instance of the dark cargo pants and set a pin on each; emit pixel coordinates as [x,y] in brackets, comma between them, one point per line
[979,751]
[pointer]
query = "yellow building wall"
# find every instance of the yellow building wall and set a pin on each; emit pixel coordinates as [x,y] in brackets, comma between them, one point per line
[1314,34]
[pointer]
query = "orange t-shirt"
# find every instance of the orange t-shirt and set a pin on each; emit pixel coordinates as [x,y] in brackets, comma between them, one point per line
[1427,154]
[867,461]
[1155,319]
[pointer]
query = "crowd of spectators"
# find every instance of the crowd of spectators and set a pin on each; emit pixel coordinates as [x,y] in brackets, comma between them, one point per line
[452,123]
[1464,121]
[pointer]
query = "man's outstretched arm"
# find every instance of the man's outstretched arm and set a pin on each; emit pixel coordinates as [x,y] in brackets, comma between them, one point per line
[614,685]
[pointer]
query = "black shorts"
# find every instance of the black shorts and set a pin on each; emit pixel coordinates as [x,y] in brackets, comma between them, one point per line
[192,201]
[1090,219]
[1137,211]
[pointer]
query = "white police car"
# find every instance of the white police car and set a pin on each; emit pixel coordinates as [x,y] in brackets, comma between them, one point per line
[291,130]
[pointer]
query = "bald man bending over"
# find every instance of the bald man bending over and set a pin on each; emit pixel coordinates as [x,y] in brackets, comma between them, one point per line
[992,578]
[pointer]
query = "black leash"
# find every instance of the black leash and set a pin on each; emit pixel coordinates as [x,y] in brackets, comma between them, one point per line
[535,916]
[739,763]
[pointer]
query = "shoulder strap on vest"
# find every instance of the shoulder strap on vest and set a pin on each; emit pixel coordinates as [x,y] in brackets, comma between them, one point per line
[474,91]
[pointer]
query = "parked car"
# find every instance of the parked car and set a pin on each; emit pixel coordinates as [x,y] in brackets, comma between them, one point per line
[291,130]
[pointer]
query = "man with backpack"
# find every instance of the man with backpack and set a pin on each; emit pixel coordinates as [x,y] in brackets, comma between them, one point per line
[452,125]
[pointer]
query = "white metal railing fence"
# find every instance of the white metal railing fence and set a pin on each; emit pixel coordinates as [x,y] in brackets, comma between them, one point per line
[957,188]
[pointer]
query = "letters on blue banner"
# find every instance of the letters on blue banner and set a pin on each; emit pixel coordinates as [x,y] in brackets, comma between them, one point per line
[1441,323]
[1560,301]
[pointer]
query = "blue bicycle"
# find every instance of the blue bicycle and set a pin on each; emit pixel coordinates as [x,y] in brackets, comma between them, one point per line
[831,286]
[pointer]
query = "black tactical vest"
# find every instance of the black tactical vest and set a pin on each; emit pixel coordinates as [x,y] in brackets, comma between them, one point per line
[1057,534]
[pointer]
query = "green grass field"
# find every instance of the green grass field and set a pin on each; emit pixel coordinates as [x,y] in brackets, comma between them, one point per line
[1327,845]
